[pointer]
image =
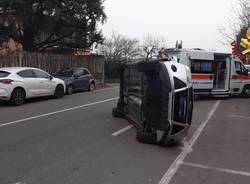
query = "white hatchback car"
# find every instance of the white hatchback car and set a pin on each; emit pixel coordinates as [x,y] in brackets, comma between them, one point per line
[20,83]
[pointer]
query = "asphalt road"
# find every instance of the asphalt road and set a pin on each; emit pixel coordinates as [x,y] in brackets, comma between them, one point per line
[75,140]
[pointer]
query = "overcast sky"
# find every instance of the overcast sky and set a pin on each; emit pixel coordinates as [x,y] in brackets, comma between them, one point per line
[195,22]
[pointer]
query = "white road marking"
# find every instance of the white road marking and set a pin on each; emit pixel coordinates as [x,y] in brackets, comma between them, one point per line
[57,112]
[187,148]
[21,182]
[239,116]
[242,173]
[119,132]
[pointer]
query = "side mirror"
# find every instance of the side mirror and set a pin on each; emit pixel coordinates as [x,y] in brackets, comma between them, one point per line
[247,72]
[50,77]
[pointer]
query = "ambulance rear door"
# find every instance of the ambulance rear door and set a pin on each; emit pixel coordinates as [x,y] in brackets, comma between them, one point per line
[202,76]
[202,71]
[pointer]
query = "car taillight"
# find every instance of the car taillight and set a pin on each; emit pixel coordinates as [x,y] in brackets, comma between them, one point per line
[6,81]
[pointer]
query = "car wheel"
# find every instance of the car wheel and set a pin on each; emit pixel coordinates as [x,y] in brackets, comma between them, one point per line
[118,113]
[164,141]
[146,137]
[59,91]
[70,90]
[17,96]
[246,92]
[91,86]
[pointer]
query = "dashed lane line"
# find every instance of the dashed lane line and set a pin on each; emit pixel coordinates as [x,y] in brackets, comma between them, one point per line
[119,132]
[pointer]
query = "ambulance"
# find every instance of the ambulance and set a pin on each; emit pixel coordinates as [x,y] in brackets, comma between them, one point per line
[214,73]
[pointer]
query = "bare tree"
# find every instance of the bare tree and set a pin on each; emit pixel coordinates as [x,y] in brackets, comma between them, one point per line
[120,48]
[239,19]
[152,44]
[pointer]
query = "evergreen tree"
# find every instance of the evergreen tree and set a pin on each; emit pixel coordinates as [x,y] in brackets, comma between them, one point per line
[42,24]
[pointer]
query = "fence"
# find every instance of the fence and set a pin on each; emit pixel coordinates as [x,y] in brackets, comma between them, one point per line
[51,62]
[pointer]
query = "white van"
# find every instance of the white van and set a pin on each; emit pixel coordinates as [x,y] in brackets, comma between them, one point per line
[214,73]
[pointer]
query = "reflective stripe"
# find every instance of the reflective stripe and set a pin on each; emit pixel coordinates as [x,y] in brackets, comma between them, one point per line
[202,76]
[240,77]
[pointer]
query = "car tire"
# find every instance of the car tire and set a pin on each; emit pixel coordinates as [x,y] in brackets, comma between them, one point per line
[118,113]
[91,86]
[70,90]
[146,137]
[17,97]
[246,92]
[59,91]
[164,141]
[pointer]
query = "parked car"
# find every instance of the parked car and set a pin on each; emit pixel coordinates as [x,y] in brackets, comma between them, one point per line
[76,79]
[20,83]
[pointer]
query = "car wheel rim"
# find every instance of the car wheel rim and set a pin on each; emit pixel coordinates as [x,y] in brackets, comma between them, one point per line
[70,90]
[19,97]
[92,86]
[248,91]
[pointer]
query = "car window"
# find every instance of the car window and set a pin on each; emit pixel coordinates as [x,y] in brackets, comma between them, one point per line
[26,74]
[239,68]
[65,73]
[80,72]
[201,66]
[4,74]
[41,74]
[86,72]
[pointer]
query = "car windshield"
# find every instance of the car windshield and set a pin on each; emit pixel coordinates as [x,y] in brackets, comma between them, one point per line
[65,73]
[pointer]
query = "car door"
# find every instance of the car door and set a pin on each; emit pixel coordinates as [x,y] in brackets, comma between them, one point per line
[46,84]
[87,77]
[239,76]
[30,82]
[81,79]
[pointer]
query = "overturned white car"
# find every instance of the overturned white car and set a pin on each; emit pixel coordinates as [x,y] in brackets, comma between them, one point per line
[157,97]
